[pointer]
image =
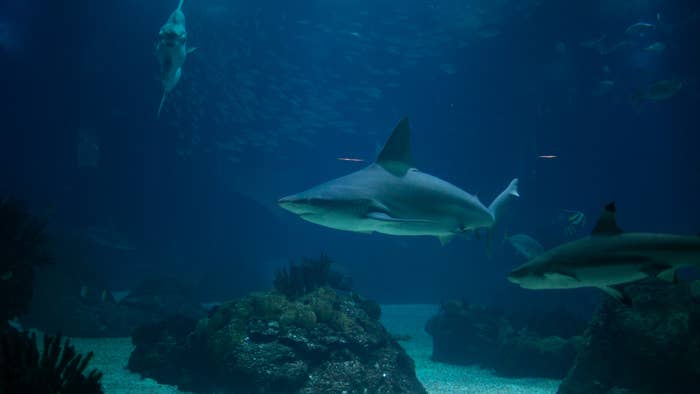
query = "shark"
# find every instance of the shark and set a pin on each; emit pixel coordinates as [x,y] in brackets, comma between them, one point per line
[172,50]
[391,196]
[609,257]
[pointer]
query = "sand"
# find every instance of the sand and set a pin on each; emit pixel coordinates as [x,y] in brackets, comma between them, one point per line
[445,378]
[112,356]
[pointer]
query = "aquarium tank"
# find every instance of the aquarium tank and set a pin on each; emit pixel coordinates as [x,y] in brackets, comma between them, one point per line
[350,196]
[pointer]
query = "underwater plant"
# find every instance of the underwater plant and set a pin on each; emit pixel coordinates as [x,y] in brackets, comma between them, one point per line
[309,274]
[22,246]
[58,370]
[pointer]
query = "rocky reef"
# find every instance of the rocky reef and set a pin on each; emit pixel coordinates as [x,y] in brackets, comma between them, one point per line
[512,345]
[321,341]
[651,347]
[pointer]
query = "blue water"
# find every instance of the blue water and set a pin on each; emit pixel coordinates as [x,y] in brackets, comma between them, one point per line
[277,91]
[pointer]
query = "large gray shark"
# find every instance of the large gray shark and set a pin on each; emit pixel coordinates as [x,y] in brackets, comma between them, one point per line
[172,51]
[609,257]
[391,196]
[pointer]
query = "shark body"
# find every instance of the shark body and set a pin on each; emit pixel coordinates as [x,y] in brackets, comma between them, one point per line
[391,196]
[609,257]
[171,50]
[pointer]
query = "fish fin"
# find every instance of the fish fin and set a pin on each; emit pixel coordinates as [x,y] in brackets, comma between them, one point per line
[654,269]
[445,239]
[162,101]
[669,275]
[501,202]
[191,49]
[498,207]
[617,294]
[395,157]
[606,224]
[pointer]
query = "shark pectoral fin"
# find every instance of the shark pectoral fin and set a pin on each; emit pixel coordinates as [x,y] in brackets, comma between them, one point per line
[669,275]
[662,271]
[445,239]
[190,50]
[619,295]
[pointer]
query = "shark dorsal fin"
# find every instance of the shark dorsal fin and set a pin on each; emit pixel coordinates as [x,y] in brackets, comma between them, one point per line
[606,224]
[395,157]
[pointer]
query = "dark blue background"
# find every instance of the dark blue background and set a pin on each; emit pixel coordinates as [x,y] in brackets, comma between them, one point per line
[215,223]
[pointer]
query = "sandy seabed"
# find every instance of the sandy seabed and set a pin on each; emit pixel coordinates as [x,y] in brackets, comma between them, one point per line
[112,356]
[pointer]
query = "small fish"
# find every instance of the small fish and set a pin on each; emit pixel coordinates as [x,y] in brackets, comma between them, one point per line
[353,159]
[658,91]
[547,156]
[603,88]
[572,221]
[639,29]
[603,46]
[525,245]
[7,276]
[656,47]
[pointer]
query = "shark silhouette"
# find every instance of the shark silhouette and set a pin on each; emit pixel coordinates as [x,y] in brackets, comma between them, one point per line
[391,196]
[172,51]
[609,257]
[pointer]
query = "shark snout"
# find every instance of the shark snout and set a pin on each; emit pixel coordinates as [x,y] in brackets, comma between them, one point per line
[511,278]
[517,276]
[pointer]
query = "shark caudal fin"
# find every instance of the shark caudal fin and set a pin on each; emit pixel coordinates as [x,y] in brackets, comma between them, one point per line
[162,101]
[498,207]
[500,203]
[179,6]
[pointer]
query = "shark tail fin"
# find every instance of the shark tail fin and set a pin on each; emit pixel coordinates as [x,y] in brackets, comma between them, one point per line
[498,207]
[179,6]
[162,101]
[500,203]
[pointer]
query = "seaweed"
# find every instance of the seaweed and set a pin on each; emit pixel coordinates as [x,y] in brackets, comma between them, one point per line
[59,368]
[306,276]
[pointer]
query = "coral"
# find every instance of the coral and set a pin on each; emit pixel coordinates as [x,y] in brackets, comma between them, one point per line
[308,275]
[59,369]
[22,247]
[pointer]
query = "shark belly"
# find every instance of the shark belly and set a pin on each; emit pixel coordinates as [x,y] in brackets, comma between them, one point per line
[415,227]
[607,275]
